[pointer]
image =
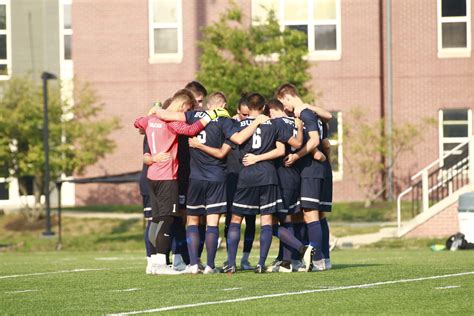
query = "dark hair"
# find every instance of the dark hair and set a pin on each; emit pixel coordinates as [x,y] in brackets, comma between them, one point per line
[244,100]
[256,102]
[284,89]
[196,88]
[166,104]
[275,104]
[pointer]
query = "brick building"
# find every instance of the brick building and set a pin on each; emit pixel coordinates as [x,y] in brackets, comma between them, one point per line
[134,52]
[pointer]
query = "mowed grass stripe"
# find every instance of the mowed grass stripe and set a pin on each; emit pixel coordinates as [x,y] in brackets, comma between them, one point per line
[252,298]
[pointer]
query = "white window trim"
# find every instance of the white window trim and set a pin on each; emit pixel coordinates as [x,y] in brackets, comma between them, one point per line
[313,55]
[337,175]
[165,58]
[449,140]
[454,52]
[8,33]
[66,65]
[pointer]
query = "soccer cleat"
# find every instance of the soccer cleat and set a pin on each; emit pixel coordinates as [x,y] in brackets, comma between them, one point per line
[318,265]
[209,270]
[192,269]
[307,257]
[164,270]
[200,265]
[333,245]
[219,242]
[298,266]
[181,266]
[229,269]
[273,266]
[284,266]
[245,265]
[327,264]
[260,269]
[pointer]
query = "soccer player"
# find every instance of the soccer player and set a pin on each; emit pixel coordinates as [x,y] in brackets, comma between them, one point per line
[257,188]
[162,176]
[314,191]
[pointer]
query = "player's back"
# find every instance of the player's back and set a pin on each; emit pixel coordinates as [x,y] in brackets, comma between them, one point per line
[262,141]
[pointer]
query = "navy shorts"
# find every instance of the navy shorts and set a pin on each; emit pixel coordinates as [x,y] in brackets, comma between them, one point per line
[316,194]
[291,203]
[263,200]
[146,207]
[206,197]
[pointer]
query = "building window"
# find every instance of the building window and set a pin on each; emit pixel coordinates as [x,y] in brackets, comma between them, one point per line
[67,29]
[5,39]
[454,28]
[455,127]
[335,139]
[165,31]
[320,20]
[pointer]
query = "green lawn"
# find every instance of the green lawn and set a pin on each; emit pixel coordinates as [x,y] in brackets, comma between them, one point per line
[43,283]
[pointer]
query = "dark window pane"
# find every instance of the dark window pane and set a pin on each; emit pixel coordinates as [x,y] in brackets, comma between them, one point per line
[333,126]
[325,37]
[455,115]
[334,158]
[302,28]
[3,17]
[3,47]
[67,16]
[166,41]
[455,130]
[27,181]
[454,35]
[3,70]
[453,8]
[67,47]
[3,191]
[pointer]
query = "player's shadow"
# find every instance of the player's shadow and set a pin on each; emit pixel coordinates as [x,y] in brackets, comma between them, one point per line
[124,226]
[119,238]
[339,266]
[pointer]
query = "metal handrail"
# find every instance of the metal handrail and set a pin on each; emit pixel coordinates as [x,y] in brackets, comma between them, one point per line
[399,206]
[442,158]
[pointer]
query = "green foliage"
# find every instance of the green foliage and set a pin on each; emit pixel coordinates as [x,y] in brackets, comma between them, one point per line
[368,147]
[76,137]
[238,58]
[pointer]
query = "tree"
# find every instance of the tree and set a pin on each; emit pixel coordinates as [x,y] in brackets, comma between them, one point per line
[76,137]
[367,147]
[240,58]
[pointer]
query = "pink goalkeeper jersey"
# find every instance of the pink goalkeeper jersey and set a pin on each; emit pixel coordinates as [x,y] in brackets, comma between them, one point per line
[161,137]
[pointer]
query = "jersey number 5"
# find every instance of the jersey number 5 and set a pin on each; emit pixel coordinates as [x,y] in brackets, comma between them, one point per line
[257,138]
[202,137]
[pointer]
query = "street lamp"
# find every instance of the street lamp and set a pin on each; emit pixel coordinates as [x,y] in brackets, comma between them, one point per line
[45,76]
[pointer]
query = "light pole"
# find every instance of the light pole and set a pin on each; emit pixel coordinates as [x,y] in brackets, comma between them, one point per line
[45,76]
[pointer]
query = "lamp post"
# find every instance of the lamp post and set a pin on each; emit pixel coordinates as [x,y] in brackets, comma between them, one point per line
[45,76]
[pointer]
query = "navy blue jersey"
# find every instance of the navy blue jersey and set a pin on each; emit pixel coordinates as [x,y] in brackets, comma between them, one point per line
[204,166]
[289,177]
[183,151]
[233,163]
[143,178]
[327,162]
[311,168]
[262,141]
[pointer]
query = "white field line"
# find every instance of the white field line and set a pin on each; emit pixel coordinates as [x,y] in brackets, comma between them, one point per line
[252,298]
[447,287]
[232,289]
[52,272]
[21,291]
[127,290]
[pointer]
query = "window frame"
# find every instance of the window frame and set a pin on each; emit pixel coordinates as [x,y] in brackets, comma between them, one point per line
[8,33]
[66,65]
[451,140]
[337,175]
[155,58]
[311,22]
[459,52]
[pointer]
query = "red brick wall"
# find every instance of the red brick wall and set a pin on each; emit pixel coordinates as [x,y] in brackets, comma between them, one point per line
[110,50]
[442,224]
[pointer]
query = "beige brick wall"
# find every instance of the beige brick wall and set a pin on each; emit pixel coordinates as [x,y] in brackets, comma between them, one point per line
[442,224]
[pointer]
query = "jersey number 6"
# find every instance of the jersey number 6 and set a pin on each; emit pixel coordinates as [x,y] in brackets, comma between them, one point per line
[257,138]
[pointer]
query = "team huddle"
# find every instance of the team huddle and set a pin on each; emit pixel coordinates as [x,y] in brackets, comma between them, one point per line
[271,159]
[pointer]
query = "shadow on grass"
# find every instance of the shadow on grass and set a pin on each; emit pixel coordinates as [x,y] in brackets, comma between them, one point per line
[120,238]
[124,226]
[354,265]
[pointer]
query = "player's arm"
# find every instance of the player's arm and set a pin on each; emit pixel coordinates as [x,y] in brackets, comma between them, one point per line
[310,145]
[219,153]
[323,114]
[279,151]
[323,155]
[182,128]
[141,123]
[240,137]
[297,141]
[168,116]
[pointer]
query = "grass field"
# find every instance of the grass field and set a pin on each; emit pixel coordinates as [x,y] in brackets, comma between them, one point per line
[361,282]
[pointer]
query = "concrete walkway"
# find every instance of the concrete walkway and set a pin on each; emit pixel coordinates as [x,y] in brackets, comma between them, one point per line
[356,241]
